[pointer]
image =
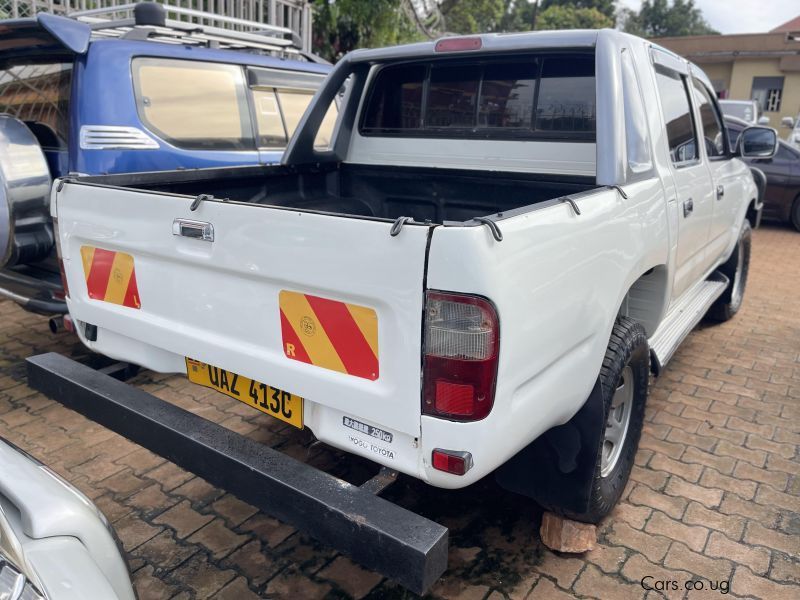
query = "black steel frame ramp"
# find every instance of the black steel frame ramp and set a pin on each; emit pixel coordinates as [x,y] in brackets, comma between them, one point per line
[379,535]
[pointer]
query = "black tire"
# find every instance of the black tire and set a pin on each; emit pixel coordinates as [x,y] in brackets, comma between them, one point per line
[795,216]
[729,303]
[628,347]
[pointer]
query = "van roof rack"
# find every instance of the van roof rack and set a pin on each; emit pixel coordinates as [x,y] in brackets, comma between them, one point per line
[149,22]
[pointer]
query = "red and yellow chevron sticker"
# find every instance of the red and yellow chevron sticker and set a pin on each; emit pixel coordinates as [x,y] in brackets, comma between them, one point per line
[330,334]
[110,276]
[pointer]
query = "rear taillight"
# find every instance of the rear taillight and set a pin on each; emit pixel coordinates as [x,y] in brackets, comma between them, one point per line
[462,337]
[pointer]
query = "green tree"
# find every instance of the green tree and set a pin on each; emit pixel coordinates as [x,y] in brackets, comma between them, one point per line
[518,15]
[607,7]
[570,17]
[473,16]
[344,25]
[656,18]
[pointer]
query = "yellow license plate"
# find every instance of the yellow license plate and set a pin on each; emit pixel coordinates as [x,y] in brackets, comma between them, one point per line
[270,400]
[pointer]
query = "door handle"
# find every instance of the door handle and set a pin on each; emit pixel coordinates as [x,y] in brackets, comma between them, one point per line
[198,230]
[688,207]
[720,192]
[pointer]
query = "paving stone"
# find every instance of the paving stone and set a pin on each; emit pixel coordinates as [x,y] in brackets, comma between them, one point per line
[717,469]
[183,519]
[350,577]
[217,538]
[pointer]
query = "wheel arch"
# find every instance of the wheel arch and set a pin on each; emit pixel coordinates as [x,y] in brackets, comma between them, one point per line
[647,298]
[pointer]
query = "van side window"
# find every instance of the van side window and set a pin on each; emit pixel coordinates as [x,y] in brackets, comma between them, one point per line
[526,97]
[710,121]
[194,105]
[677,116]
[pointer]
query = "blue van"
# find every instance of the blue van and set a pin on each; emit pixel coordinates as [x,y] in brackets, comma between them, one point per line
[95,96]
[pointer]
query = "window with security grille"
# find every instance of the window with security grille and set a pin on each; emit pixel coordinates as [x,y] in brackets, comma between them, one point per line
[767,91]
[38,94]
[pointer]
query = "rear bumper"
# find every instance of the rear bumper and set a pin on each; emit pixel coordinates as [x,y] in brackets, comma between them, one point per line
[32,293]
[374,532]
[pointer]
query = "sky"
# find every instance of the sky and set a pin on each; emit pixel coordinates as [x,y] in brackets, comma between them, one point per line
[741,16]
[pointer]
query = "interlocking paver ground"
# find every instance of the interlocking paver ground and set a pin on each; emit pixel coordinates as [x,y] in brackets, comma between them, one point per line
[714,497]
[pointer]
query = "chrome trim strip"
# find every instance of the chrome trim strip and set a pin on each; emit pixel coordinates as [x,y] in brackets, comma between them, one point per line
[107,137]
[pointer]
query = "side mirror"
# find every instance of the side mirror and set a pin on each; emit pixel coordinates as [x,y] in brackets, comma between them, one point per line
[787,122]
[763,120]
[757,142]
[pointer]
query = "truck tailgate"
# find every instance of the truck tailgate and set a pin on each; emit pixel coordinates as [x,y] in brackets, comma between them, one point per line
[322,306]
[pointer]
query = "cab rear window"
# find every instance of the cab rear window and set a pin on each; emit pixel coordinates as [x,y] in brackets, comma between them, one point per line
[547,96]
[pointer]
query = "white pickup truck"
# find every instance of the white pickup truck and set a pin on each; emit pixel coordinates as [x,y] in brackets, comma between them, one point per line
[505,236]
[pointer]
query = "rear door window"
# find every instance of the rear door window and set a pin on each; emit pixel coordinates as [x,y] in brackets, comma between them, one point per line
[677,116]
[38,94]
[548,96]
[711,121]
[194,105]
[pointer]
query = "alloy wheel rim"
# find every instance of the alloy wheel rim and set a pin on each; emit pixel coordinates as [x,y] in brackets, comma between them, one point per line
[617,423]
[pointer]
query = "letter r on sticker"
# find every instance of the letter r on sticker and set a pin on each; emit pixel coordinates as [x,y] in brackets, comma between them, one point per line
[289,349]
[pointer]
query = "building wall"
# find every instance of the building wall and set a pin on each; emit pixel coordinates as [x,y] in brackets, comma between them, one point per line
[735,60]
[741,85]
[719,73]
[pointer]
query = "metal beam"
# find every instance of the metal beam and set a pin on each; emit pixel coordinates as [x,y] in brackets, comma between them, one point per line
[379,535]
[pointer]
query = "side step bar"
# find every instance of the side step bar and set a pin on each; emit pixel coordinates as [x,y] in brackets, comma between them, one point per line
[379,535]
[684,315]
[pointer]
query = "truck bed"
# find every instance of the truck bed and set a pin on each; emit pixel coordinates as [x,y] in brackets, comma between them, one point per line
[426,194]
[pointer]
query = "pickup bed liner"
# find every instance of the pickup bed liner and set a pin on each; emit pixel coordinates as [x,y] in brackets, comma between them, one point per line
[437,195]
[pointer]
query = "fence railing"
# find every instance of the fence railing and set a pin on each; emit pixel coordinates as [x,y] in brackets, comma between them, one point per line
[294,14]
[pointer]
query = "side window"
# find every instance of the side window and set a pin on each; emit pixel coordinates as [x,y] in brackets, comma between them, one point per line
[271,132]
[677,116]
[324,137]
[194,105]
[733,136]
[710,121]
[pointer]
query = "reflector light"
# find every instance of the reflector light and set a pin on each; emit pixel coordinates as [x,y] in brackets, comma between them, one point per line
[458,44]
[460,356]
[450,461]
[454,398]
[69,324]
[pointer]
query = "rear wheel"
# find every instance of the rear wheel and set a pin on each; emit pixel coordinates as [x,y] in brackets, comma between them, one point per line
[624,379]
[735,269]
[795,218]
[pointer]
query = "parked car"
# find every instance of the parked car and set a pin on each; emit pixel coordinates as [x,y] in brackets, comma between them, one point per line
[746,110]
[55,544]
[793,137]
[782,195]
[124,96]
[476,275]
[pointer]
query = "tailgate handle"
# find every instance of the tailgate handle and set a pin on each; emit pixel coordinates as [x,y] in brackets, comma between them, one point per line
[198,230]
